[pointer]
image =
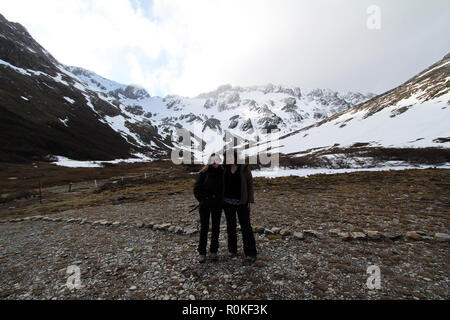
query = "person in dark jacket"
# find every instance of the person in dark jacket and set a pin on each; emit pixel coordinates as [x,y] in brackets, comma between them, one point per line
[208,190]
[239,199]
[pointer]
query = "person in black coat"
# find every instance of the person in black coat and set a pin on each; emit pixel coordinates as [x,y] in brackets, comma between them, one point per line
[238,201]
[208,190]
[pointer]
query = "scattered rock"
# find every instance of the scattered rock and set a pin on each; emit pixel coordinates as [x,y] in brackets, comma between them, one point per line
[133,288]
[285,232]
[373,235]
[258,229]
[334,232]
[178,230]
[190,231]
[412,235]
[267,231]
[163,226]
[393,235]
[299,235]
[139,224]
[313,233]
[442,237]
[358,235]
[344,236]
[276,230]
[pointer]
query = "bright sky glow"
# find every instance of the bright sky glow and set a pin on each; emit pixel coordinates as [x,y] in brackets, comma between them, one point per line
[187,47]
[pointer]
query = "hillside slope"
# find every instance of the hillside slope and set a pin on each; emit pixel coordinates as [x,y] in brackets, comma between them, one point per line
[49,109]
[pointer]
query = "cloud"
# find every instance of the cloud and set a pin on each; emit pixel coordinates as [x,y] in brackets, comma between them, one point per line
[188,47]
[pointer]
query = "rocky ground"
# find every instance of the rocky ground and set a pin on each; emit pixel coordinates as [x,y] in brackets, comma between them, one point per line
[124,252]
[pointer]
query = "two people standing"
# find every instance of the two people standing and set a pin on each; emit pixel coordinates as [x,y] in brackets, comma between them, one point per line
[228,187]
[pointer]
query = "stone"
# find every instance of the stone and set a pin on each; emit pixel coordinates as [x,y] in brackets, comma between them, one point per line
[133,288]
[163,226]
[190,231]
[105,223]
[412,235]
[178,230]
[373,235]
[116,223]
[139,224]
[299,235]
[334,232]
[267,231]
[442,237]
[258,229]
[344,236]
[172,229]
[276,230]
[358,235]
[149,225]
[393,235]
[285,232]
[313,233]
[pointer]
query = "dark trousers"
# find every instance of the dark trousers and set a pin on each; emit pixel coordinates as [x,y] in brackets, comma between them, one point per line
[205,213]
[248,238]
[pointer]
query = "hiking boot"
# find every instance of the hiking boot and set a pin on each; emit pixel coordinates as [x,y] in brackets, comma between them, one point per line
[202,258]
[214,257]
[251,258]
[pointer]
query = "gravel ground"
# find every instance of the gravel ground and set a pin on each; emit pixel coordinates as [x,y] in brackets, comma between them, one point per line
[126,262]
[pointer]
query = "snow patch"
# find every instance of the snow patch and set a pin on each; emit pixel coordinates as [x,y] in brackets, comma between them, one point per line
[64,121]
[66,162]
[71,101]
[306,172]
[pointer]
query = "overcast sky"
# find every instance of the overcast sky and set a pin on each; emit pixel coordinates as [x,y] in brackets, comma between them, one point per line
[187,47]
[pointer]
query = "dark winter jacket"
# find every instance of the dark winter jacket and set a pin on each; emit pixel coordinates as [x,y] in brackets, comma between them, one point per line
[208,188]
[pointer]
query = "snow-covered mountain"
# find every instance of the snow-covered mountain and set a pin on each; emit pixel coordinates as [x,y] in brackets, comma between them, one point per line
[73,112]
[49,109]
[243,111]
[414,115]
